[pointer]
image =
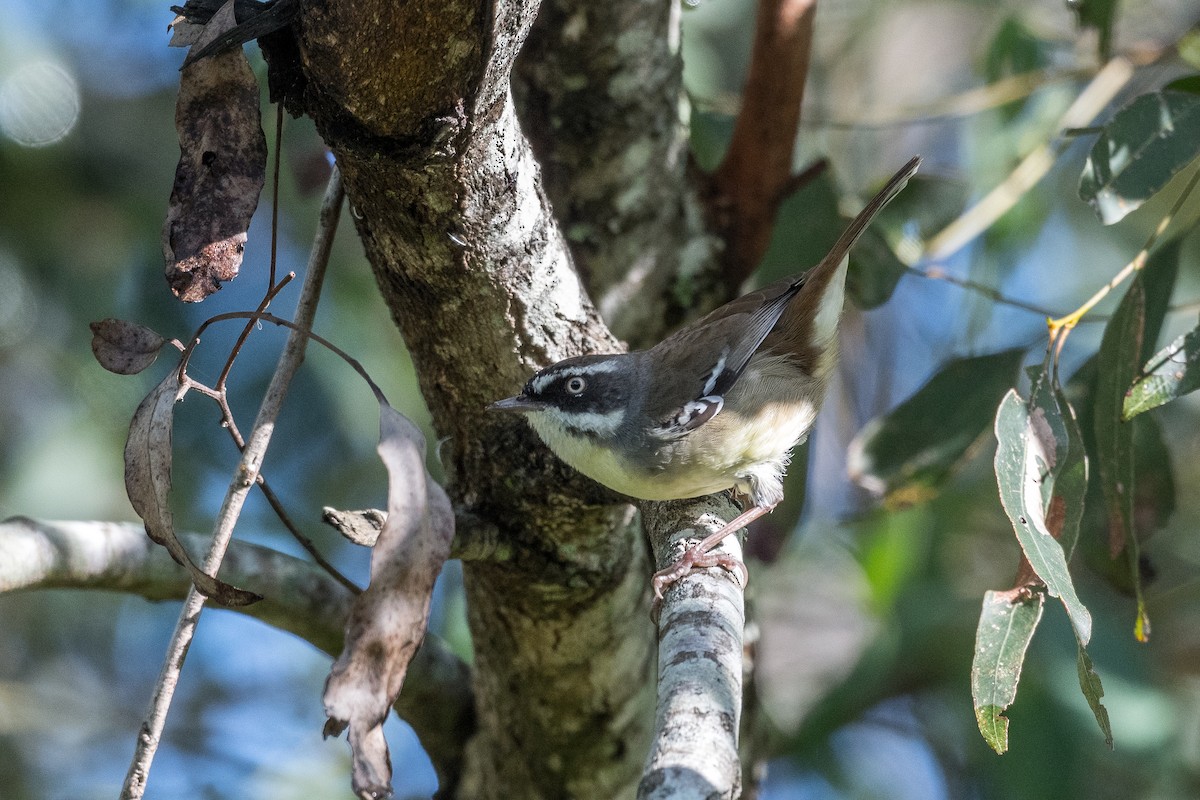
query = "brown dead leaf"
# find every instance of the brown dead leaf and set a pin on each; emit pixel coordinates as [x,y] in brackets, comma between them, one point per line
[389,618]
[123,347]
[221,170]
[360,527]
[148,457]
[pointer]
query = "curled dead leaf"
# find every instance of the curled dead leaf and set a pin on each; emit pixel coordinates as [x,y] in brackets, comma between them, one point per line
[124,347]
[388,620]
[148,457]
[222,166]
[360,527]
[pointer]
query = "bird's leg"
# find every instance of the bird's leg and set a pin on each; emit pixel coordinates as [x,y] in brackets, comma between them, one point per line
[699,557]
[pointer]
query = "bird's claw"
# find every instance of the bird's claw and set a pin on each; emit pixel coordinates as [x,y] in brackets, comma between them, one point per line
[693,559]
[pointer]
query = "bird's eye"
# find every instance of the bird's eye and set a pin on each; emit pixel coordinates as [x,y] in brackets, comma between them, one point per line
[576,384]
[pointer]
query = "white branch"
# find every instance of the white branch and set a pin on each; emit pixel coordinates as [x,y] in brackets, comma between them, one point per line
[695,749]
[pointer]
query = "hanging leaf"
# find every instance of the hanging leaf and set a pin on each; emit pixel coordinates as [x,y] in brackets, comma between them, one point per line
[1093,690]
[148,456]
[1065,483]
[1006,626]
[1154,487]
[388,620]
[1025,452]
[125,348]
[1141,148]
[905,455]
[222,166]
[1119,357]
[1172,372]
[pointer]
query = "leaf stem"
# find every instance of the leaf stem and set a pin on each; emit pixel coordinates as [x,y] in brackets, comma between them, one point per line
[1069,321]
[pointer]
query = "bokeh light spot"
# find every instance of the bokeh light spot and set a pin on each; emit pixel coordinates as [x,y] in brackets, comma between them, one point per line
[39,103]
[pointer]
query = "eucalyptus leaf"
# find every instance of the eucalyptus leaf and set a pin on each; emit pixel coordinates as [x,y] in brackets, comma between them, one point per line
[148,461]
[1006,626]
[906,454]
[1171,373]
[124,347]
[389,619]
[1093,690]
[1118,360]
[1025,451]
[1140,149]
[1065,481]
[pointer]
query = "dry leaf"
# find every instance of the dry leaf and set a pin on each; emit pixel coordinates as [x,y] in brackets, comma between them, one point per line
[148,457]
[388,620]
[125,348]
[360,527]
[221,170]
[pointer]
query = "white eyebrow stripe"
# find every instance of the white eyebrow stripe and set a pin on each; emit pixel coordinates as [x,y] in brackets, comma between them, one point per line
[540,382]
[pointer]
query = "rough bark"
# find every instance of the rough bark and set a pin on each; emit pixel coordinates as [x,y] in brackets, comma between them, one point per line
[450,209]
[599,91]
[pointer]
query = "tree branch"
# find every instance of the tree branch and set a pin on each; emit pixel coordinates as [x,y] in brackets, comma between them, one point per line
[452,216]
[756,173]
[695,750]
[298,597]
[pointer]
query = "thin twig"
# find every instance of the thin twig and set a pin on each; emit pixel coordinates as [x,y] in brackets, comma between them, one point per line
[277,504]
[289,361]
[963,104]
[993,294]
[245,334]
[979,217]
[1069,321]
[262,316]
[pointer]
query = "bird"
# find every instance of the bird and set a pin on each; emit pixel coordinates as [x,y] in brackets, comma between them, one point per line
[717,405]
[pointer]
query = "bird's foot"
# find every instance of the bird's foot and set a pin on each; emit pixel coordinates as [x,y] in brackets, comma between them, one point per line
[693,559]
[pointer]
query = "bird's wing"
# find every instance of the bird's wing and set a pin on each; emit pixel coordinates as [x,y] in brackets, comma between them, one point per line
[716,353]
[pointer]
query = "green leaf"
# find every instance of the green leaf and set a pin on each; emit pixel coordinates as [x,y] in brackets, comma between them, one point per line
[808,225]
[1154,489]
[1098,14]
[1158,277]
[1024,454]
[1014,50]
[1093,690]
[905,455]
[1001,639]
[1188,48]
[1171,373]
[1139,150]
[1119,357]
[1065,481]
[1188,83]
[874,271]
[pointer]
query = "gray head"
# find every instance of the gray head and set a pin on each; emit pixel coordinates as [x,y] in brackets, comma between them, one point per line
[586,396]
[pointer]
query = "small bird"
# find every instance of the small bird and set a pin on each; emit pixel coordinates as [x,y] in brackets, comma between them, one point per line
[717,405]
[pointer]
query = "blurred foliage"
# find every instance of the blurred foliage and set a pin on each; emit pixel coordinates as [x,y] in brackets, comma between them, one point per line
[873,623]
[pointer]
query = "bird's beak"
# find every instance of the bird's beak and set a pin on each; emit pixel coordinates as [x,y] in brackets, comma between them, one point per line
[518,403]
